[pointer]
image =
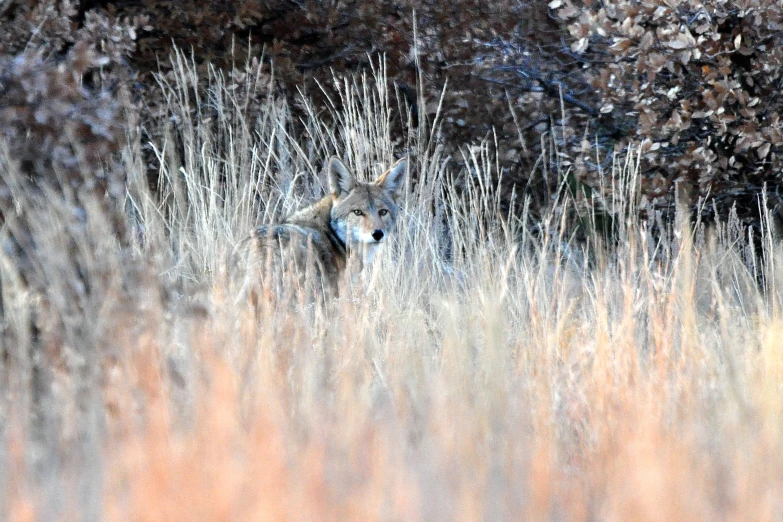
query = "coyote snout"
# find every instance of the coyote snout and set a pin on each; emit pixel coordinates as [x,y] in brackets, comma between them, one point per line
[349,224]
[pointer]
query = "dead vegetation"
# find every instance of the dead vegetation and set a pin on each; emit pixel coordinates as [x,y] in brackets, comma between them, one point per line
[695,83]
[480,371]
[547,338]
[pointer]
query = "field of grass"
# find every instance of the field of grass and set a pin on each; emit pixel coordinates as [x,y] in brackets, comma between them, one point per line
[483,368]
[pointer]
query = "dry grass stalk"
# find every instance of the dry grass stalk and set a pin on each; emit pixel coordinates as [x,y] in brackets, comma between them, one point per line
[479,371]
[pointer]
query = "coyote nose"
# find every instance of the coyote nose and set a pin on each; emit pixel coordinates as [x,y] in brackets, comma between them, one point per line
[377,235]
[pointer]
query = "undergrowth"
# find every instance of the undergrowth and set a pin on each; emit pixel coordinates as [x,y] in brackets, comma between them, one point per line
[486,366]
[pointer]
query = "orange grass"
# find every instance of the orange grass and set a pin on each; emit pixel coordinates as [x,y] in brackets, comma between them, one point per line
[477,371]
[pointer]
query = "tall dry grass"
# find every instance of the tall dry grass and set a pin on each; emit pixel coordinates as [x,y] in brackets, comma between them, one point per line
[483,368]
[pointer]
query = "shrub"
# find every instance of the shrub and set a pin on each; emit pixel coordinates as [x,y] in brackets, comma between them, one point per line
[697,84]
[60,138]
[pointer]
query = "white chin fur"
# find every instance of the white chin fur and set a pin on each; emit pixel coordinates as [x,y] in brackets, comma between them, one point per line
[369,251]
[365,243]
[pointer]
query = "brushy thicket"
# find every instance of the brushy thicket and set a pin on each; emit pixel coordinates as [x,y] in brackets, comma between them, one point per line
[63,103]
[695,83]
[64,139]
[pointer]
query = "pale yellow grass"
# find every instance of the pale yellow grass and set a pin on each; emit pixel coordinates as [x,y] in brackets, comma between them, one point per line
[482,369]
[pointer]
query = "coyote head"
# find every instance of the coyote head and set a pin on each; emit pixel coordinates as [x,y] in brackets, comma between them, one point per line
[363,214]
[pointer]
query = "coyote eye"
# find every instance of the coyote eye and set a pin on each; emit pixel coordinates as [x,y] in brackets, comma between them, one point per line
[358,212]
[383,212]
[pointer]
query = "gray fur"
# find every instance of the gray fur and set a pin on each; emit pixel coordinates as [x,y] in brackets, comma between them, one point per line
[320,240]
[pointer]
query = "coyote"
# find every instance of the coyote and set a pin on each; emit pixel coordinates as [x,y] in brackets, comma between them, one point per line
[345,227]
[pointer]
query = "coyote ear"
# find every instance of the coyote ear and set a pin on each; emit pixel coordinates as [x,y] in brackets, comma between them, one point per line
[341,180]
[391,180]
